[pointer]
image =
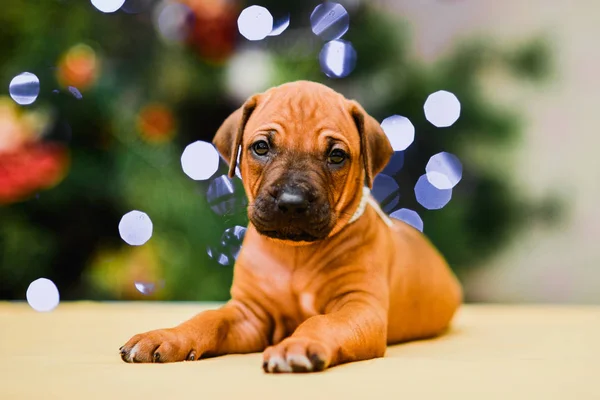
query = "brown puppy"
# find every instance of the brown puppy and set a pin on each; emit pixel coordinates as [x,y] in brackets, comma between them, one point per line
[323,277]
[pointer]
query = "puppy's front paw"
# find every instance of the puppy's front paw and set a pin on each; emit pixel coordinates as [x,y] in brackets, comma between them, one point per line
[162,345]
[297,355]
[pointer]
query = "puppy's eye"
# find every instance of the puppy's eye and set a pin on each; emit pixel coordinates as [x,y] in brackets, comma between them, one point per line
[261,147]
[336,156]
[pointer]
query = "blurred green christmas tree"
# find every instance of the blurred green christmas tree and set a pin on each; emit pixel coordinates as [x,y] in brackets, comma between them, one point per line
[145,98]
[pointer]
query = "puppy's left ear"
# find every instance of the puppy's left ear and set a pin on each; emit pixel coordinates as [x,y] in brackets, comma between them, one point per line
[376,149]
[228,138]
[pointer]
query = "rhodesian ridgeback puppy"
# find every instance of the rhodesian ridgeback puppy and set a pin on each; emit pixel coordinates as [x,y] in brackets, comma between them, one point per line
[323,277]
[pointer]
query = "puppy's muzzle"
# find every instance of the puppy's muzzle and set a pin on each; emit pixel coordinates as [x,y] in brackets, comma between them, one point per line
[292,212]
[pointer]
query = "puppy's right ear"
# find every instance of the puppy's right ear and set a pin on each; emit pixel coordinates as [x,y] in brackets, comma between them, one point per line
[228,138]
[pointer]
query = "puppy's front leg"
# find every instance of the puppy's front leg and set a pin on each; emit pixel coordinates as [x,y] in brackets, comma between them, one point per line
[354,329]
[233,328]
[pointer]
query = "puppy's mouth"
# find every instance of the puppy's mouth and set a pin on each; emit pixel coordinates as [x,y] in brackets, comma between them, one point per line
[291,236]
[294,230]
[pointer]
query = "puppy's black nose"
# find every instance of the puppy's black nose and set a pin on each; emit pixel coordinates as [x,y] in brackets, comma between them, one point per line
[292,202]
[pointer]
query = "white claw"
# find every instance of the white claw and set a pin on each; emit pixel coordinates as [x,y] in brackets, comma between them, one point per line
[278,363]
[132,353]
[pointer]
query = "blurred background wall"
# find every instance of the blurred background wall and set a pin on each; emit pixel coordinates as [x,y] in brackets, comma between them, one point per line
[122,94]
[558,150]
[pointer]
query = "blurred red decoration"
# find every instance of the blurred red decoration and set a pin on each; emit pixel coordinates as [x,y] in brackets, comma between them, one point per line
[156,123]
[215,31]
[78,67]
[29,169]
[27,165]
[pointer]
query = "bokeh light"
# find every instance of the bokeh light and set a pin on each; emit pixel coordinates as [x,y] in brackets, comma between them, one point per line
[280,25]
[232,239]
[442,109]
[200,160]
[329,21]
[429,196]
[148,288]
[135,228]
[173,21]
[395,164]
[42,295]
[409,216]
[156,123]
[107,6]
[337,58]
[229,247]
[386,191]
[24,88]
[137,6]
[248,72]
[444,170]
[255,23]
[75,92]
[400,131]
[78,67]
[223,197]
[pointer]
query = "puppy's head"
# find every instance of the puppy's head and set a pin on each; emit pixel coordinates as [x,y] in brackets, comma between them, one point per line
[304,153]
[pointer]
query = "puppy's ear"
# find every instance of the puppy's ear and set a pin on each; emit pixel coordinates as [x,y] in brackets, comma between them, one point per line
[228,138]
[375,147]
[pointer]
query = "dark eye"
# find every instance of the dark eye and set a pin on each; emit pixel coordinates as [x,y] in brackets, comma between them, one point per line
[261,147]
[336,156]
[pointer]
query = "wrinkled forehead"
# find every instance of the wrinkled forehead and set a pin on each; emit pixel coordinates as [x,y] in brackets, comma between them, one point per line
[302,113]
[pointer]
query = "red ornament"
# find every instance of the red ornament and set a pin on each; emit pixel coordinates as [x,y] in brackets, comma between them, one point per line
[156,123]
[29,169]
[78,67]
[214,31]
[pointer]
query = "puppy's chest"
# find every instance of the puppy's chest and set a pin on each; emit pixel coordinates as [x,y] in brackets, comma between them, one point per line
[289,292]
[300,306]
[288,296]
[292,296]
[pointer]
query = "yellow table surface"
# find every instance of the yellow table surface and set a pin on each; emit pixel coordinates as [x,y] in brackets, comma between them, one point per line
[492,352]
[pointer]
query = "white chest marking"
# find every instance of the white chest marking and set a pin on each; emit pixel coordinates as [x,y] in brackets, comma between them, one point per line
[307,303]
